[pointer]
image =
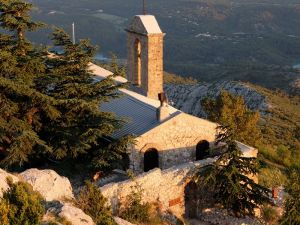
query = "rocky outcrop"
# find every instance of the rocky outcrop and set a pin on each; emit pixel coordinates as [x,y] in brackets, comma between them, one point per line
[75,215]
[188,98]
[3,180]
[49,184]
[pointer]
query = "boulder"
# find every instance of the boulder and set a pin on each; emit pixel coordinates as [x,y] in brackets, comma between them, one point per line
[49,184]
[3,184]
[75,215]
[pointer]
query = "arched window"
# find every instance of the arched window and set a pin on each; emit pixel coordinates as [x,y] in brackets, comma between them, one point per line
[150,159]
[202,150]
[138,63]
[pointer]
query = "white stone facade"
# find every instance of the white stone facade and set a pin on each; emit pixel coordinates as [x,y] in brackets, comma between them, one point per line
[166,187]
[175,140]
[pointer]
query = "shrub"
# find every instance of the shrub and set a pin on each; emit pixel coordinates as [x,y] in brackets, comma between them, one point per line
[272,177]
[21,205]
[93,203]
[4,211]
[270,215]
[134,210]
[291,215]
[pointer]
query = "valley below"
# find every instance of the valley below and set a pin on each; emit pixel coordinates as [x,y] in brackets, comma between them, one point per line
[210,40]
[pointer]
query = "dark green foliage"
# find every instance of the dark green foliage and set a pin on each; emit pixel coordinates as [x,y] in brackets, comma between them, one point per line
[291,215]
[270,215]
[230,178]
[49,105]
[21,205]
[14,16]
[116,68]
[81,124]
[93,203]
[231,111]
[112,155]
[134,210]
[4,212]
[21,106]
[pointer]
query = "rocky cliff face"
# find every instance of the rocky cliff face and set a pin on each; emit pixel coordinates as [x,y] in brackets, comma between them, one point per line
[188,97]
[58,193]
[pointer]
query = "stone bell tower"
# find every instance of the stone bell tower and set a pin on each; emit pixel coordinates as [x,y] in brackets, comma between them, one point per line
[145,56]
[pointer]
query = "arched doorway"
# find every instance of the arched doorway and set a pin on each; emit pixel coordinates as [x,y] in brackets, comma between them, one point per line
[150,159]
[191,200]
[138,63]
[202,150]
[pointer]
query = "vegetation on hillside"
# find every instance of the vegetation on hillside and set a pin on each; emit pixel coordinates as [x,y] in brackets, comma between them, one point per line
[279,146]
[170,78]
[230,111]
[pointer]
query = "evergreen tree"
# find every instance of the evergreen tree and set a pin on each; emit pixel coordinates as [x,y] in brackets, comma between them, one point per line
[14,17]
[231,111]
[21,105]
[291,215]
[81,127]
[230,178]
[115,68]
[50,105]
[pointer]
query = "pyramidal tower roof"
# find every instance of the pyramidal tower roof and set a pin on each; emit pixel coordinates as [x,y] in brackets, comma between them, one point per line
[144,24]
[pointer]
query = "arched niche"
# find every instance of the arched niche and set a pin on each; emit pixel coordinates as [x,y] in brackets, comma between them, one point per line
[191,199]
[151,160]
[202,150]
[137,62]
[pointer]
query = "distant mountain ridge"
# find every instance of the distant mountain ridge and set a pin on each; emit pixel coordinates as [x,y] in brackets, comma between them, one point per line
[205,38]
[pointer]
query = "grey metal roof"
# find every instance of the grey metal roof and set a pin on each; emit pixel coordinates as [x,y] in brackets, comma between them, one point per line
[140,117]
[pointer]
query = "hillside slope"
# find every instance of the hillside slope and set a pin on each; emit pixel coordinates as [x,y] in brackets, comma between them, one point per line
[280,115]
[188,97]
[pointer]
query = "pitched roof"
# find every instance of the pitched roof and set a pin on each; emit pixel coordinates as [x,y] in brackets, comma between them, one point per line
[145,24]
[137,110]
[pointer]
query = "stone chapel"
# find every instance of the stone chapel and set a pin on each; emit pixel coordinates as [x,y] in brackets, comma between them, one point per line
[165,136]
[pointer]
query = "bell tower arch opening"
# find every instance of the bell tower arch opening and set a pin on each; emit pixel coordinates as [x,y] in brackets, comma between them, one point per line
[151,159]
[138,63]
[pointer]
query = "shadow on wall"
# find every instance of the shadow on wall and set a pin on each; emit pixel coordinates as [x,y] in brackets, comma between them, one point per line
[171,187]
[196,199]
[152,157]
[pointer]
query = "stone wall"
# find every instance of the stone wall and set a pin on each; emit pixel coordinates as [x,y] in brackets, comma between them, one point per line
[168,187]
[175,139]
[163,186]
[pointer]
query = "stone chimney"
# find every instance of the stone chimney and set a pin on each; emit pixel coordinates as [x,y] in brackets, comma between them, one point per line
[163,111]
